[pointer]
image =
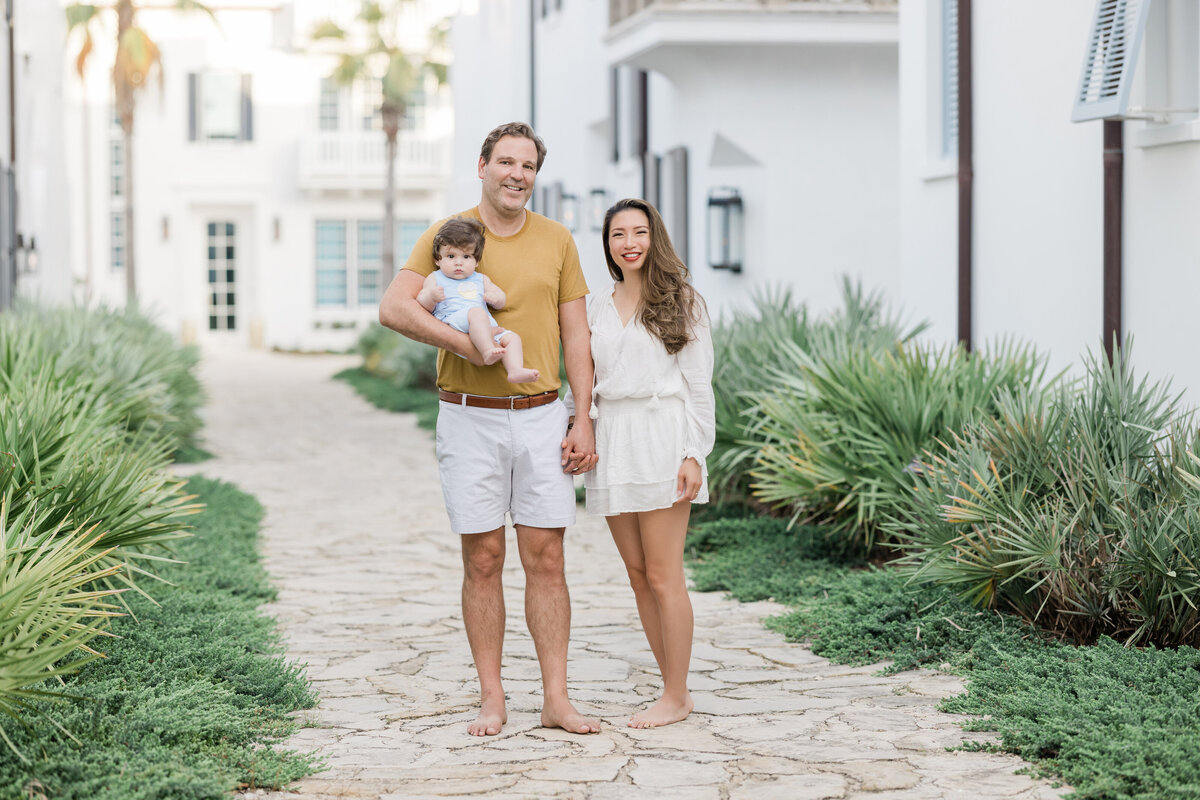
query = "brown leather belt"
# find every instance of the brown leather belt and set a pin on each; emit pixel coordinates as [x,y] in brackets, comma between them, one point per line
[513,403]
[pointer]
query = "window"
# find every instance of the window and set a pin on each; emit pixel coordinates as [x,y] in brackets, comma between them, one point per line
[349,261]
[329,106]
[370,104]
[117,166]
[407,233]
[116,240]
[219,107]
[370,263]
[221,258]
[1172,62]
[331,263]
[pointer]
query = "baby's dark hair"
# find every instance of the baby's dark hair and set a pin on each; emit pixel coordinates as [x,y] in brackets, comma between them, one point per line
[462,232]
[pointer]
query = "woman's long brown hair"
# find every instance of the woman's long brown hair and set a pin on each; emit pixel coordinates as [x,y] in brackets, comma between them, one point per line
[669,306]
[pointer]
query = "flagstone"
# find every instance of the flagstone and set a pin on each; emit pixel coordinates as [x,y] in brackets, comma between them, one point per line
[369,580]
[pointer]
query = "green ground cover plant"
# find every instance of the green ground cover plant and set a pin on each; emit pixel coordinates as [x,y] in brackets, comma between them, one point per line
[397,374]
[191,697]
[383,393]
[1114,722]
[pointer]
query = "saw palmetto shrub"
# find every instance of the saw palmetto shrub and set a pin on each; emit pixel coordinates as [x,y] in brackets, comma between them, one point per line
[87,510]
[1077,509]
[841,428]
[131,364]
[759,349]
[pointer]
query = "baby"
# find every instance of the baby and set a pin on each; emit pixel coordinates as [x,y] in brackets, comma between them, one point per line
[459,297]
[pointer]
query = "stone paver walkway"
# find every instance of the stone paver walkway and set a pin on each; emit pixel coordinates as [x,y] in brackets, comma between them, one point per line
[356,540]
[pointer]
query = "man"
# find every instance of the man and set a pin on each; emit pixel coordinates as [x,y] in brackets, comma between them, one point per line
[499,453]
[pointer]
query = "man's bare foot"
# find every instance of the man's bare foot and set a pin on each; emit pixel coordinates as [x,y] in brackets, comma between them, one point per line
[664,712]
[495,355]
[523,375]
[565,716]
[491,719]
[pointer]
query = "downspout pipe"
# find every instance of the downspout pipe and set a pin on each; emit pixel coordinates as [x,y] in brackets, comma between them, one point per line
[533,64]
[1114,189]
[966,175]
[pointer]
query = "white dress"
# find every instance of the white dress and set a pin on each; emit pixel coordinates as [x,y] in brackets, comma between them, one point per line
[652,410]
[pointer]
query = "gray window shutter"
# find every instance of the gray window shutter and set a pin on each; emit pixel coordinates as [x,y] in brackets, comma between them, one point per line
[1112,52]
[247,110]
[192,100]
[949,78]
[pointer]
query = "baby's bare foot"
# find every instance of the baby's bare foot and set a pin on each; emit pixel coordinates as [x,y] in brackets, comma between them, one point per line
[664,712]
[522,375]
[495,355]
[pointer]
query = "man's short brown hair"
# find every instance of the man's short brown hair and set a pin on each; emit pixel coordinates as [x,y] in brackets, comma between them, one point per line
[461,232]
[518,129]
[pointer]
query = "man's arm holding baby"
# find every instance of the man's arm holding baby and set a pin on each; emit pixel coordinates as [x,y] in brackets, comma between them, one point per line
[400,311]
[431,294]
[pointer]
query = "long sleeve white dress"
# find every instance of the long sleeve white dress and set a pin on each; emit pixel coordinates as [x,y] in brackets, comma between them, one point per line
[652,411]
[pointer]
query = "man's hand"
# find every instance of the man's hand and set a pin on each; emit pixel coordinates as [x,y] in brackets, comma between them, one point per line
[579,447]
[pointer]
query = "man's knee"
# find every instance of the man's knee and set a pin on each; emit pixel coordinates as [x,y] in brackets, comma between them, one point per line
[542,552]
[483,554]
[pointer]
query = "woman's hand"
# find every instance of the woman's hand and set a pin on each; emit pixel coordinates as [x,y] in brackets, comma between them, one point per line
[688,481]
[579,447]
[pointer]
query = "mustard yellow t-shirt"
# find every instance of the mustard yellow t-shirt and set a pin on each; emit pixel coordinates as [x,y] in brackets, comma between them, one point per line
[538,269]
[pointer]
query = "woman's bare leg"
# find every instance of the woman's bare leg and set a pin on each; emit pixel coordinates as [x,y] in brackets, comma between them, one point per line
[628,537]
[663,533]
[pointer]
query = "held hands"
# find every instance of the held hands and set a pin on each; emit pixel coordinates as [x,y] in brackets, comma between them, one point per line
[688,481]
[579,447]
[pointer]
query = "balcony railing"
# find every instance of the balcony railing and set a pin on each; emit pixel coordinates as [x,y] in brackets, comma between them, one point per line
[358,160]
[619,10]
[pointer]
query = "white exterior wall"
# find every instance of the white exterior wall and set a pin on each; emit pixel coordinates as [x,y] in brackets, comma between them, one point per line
[42,182]
[821,121]
[490,76]
[820,117]
[1038,181]
[1038,196]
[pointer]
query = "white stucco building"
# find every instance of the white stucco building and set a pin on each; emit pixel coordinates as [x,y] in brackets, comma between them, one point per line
[258,180]
[1038,182]
[793,105]
[835,122]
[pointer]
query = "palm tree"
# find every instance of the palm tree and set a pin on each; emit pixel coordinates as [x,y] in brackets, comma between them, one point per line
[137,60]
[376,53]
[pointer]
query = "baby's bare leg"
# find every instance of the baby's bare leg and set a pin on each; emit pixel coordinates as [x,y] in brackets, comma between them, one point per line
[514,360]
[480,331]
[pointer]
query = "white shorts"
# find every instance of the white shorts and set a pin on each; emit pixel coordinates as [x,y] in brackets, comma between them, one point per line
[495,461]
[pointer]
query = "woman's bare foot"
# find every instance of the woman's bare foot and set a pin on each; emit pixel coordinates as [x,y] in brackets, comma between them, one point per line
[491,719]
[493,356]
[523,375]
[564,715]
[664,712]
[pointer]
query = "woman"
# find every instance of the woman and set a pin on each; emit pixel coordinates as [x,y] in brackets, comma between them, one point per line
[655,423]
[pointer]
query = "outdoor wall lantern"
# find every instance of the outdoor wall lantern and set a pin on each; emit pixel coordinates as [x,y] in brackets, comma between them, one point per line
[597,207]
[570,211]
[726,226]
[27,255]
